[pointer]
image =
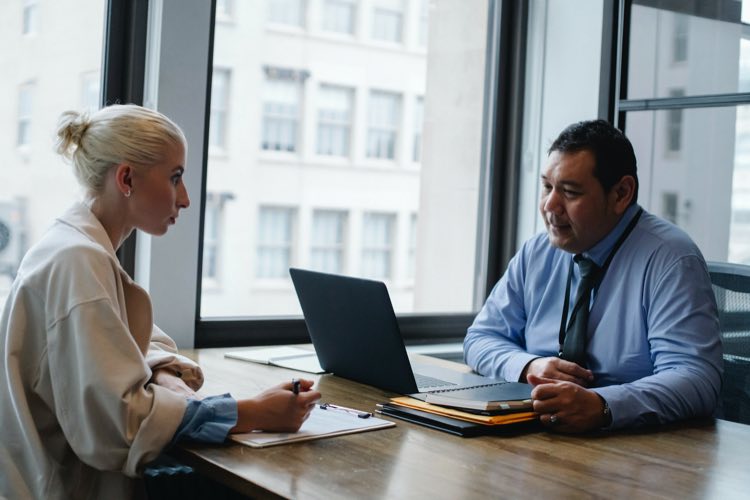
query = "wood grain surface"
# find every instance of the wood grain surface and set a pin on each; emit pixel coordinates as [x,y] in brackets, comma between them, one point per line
[696,459]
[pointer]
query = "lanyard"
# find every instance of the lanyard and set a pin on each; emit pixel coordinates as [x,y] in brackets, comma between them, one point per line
[566,305]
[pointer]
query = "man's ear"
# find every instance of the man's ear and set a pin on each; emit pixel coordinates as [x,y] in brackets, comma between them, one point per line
[622,194]
[124,178]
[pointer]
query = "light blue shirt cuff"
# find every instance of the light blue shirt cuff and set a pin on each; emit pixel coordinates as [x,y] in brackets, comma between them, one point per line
[208,420]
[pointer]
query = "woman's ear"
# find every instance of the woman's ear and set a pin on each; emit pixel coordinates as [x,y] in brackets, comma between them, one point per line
[124,179]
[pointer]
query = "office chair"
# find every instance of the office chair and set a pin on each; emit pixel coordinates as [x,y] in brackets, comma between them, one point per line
[731,284]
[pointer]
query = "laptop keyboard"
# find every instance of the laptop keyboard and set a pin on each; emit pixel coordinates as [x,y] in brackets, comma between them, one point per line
[423,381]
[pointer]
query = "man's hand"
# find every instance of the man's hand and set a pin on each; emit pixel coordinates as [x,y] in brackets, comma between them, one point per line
[167,378]
[558,369]
[566,406]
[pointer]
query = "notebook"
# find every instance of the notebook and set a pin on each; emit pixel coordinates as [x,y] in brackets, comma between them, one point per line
[479,398]
[290,357]
[356,336]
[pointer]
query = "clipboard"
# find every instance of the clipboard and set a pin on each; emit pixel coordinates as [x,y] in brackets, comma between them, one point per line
[320,424]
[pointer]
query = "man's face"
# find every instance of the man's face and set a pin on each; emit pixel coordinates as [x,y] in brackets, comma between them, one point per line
[576,210]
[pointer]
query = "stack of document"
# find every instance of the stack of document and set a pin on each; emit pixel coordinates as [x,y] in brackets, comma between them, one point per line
[460,422]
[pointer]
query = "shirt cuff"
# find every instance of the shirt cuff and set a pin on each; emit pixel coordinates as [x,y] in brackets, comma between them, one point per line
[208,420]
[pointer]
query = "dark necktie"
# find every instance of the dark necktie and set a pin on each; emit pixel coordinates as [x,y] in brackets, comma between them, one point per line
[574,347]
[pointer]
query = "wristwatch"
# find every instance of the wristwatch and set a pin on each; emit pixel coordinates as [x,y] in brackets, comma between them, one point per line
[607,413]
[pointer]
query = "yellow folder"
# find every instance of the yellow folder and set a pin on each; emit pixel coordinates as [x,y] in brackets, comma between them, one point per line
[508,418]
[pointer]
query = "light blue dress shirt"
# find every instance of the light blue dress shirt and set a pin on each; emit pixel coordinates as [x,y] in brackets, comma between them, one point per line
[208,420]
[653,333]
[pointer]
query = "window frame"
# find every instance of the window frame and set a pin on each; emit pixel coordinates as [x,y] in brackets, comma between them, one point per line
[125,65]
[174,258]
[500,161]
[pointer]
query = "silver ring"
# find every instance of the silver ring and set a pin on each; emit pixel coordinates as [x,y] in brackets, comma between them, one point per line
[553,419]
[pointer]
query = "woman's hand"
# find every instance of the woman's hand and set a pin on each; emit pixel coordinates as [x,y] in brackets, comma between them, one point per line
[277,409]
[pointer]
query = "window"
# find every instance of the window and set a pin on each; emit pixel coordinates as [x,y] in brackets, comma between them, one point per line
[217,137]
[319,128]
[327,245]
[211,236]
[669,206]
[424,22]
[418,122]
[339,16]
[384,116]
[30,14]
[90,92]
[224,10]
[680,40]
[275,238]
[708,64]
[288,12]
[674,125]
[47,68]
[334,120]
[411,262]
[377,245]
[388,20]
[25,108]
[281,111]
[706,186]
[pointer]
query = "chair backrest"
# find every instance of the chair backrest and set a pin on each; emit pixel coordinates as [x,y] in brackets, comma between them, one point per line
[731,284]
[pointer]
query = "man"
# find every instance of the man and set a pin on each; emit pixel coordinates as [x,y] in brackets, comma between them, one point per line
[641,346]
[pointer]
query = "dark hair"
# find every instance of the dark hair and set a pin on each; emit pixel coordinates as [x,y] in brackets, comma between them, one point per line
[613,154]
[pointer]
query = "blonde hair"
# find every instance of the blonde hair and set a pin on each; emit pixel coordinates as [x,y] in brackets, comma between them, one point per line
[121,133]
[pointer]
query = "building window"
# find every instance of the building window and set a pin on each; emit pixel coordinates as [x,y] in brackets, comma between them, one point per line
[25,104]
[217,132]
[275,238]
[674,124]
[327,246]
[334,120]
[384,116]
[680,39]
[669,206]
[281,110]
[424,22]
[30,17]
[377,245]
[411,258]
[388,20]
[90,92]
[224,10]
[288,12]
[339,16]
[418,123]
[211,235]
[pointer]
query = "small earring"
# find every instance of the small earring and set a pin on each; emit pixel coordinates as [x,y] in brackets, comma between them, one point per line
[127,193]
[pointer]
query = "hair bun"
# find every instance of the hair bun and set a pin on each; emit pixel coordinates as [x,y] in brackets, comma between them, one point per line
[70,129]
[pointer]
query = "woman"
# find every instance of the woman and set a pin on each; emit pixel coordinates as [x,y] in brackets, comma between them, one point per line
[91,389]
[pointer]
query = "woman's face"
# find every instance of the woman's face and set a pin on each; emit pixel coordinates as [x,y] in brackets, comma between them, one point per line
[158,193]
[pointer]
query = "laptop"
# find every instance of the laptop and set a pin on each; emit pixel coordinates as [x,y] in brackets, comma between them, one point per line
[356,336]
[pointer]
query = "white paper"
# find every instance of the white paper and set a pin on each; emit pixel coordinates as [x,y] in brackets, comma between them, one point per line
[320,424]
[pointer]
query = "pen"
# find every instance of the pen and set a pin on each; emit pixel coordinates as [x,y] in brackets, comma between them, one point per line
[360,414]
[295,386]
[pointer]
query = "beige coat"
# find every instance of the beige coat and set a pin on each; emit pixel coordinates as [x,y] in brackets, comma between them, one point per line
[78,417]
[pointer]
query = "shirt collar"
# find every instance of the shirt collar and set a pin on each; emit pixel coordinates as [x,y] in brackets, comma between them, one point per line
[599,252]
[82,219]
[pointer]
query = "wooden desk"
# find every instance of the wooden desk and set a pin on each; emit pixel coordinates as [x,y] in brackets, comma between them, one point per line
[701,459]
